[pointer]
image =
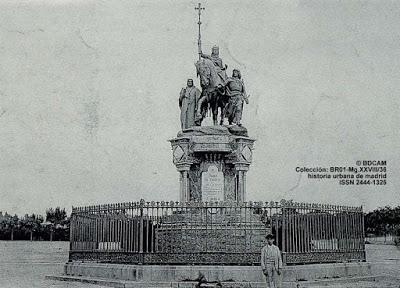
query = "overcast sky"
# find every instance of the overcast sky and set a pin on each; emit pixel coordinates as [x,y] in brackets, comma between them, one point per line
[89,89]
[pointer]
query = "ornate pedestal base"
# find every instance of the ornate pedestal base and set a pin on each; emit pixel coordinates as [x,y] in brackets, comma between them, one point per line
[215,230]
[212,162]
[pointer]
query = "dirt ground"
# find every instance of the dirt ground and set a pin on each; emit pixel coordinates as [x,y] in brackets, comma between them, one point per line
[362,284]
[387,255]
[25,264]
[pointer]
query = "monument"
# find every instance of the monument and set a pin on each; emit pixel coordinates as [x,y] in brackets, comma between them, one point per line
[213,228]
[213,160]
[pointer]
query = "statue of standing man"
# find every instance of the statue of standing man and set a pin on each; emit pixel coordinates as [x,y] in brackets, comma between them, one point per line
[188,99]
[236,94]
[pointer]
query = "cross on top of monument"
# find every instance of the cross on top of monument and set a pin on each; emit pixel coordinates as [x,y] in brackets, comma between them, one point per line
[199,8]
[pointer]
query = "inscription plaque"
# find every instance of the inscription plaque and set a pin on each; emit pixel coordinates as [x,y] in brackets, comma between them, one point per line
[212,185]
[206,147]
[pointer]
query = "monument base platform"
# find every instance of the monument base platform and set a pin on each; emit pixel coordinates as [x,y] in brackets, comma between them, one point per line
[212,162]
[185,276]
[382,280]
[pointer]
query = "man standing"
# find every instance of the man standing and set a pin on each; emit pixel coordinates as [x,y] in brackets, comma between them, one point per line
[188,99]
[271,262]
[234,89]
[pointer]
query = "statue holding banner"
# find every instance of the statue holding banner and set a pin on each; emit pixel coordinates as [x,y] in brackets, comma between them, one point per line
[212,81]
[219,68]
[220,94]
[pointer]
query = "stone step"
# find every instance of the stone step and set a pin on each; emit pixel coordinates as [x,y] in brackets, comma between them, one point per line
[364,281]
[89,280]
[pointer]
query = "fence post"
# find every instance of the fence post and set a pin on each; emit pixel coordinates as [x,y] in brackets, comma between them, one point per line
[141,230]
[283,233]
[363,233]
[71,227]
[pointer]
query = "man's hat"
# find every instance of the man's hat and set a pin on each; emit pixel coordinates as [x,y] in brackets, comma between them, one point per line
[270,236]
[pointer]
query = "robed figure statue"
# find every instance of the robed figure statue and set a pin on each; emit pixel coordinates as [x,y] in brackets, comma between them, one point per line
[188,99]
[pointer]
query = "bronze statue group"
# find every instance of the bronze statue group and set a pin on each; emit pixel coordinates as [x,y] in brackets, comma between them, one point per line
[219,94]
[226,94]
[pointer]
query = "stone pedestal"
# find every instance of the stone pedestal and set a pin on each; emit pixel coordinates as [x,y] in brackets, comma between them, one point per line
[212,162]
[234,231]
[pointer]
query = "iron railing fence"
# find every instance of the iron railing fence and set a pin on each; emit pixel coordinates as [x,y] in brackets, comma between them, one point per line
[322,233]
[215,233]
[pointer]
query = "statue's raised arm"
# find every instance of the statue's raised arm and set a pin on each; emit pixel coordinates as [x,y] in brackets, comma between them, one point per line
[217,69]
[214,57]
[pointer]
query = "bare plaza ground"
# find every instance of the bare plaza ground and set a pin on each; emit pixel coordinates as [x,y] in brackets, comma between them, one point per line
[25,264]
